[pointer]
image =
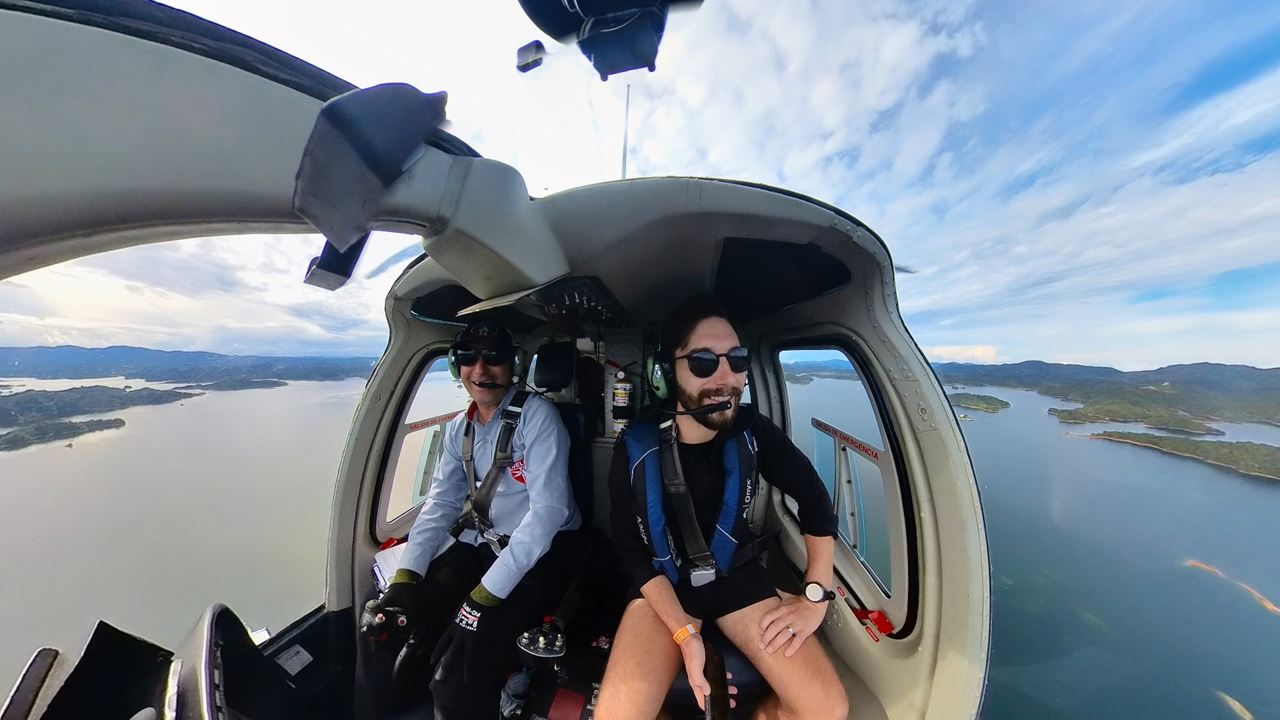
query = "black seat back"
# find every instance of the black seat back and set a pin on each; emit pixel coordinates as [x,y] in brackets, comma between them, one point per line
[554,371]
[580,425]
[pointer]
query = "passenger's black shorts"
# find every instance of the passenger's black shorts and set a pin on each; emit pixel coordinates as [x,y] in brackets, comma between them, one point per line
[743,587]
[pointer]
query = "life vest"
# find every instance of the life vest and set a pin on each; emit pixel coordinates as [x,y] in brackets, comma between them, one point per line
[643,442]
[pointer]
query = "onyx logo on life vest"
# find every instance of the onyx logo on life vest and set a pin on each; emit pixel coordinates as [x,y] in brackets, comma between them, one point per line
[517,471]
[671,543]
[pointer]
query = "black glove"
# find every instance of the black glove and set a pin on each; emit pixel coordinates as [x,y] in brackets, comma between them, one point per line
[456,650]
[392,615]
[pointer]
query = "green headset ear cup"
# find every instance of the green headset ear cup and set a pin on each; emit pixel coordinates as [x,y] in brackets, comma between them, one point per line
[453,366]
[519,362]
[657,375]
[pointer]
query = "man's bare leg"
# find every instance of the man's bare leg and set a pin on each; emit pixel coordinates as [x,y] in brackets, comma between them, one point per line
[642,665]
[806,686]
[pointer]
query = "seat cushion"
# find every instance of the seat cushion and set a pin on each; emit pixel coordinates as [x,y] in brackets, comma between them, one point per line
[752,687]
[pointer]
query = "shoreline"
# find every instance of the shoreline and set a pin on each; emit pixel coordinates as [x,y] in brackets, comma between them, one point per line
[1179,454]
[976,407]
[1211,432]
[64,431]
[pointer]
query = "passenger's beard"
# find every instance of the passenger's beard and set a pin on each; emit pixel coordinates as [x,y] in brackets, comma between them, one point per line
[712,421]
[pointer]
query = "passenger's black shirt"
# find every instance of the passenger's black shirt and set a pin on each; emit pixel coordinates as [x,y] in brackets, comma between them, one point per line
[779,461]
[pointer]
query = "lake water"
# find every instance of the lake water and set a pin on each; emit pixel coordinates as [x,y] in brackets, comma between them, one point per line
[223,498]
[1096,613]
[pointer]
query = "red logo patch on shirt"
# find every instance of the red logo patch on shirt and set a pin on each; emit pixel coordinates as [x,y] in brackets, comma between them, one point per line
[517,471]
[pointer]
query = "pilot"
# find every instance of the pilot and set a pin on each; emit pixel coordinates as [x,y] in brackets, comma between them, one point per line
[501,488]
[680,582]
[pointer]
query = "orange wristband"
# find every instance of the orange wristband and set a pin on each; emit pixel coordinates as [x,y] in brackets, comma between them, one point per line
[683,633]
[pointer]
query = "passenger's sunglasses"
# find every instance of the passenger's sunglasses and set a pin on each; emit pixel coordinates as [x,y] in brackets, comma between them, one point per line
[491,357]
[704,363]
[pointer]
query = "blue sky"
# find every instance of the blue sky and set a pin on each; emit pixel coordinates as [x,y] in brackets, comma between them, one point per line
[1077,182]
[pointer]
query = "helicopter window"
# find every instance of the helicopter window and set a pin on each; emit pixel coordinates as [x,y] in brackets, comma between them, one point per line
[419,438]
[832,419]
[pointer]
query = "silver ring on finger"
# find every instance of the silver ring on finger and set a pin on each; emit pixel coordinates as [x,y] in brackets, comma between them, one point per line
[793,630]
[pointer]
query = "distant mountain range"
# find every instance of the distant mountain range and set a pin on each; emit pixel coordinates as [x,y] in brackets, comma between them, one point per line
[1177,397]
[39,416]
[1205,376]
[73,362]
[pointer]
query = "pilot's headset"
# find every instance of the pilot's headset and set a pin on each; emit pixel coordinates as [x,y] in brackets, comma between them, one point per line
[660,370]
[501,340]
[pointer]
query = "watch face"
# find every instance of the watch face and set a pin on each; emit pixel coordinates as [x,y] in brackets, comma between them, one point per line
[815,592]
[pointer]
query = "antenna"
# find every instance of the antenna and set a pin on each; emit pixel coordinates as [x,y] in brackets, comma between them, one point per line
[626,121]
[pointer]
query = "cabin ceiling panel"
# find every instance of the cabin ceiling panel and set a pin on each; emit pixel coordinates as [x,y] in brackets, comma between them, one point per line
[108,133]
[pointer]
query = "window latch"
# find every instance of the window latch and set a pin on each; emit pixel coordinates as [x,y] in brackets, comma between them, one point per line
[875,622]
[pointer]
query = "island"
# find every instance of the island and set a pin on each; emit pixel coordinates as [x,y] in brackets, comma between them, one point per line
[240,384]
[973,401]
[1152,417]
[1249,458]
[35,406]
[53,431]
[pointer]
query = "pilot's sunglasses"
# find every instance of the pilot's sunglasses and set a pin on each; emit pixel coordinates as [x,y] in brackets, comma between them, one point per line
[491,357]
[704,363]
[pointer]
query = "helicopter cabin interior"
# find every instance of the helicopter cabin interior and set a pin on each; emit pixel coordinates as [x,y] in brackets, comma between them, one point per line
[810,291]
[583,277]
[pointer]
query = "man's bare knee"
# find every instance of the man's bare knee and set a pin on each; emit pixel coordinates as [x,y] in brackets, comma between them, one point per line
[839,704]
[829,703]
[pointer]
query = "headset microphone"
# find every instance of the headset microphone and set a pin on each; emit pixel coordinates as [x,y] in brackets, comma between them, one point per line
[704,410]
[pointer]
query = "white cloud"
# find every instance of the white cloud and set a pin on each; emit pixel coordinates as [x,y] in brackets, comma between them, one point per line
[238,295]
[1220,124]
[963,353]
[1038,170]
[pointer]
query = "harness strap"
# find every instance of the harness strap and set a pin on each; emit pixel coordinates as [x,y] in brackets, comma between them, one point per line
[475,515]
[646,473]
[677,493]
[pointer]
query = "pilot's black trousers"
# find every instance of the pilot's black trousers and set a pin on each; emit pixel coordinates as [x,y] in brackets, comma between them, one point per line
[449,579]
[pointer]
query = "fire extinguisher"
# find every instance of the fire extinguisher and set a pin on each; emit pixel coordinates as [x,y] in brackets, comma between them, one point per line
[622,408]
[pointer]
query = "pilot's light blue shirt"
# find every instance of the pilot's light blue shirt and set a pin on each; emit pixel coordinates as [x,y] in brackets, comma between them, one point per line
[531,512]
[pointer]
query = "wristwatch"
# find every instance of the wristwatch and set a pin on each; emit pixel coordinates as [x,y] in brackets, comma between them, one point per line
[816,593]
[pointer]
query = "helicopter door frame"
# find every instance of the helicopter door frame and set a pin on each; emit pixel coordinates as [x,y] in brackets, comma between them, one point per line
[380,529]
[902,605]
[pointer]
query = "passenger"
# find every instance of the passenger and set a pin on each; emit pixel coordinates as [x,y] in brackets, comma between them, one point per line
[513,552]
[703,362]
